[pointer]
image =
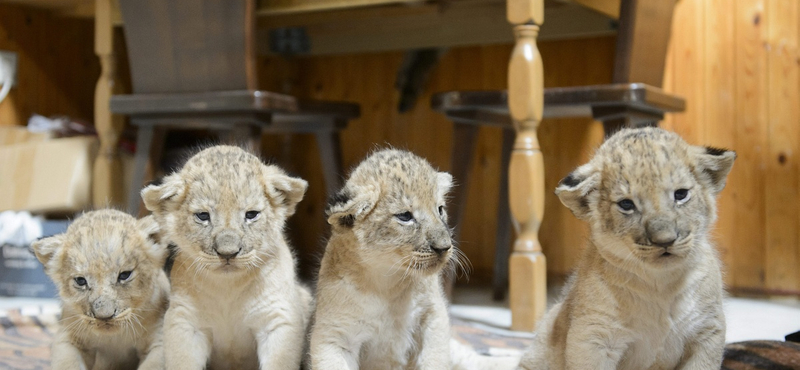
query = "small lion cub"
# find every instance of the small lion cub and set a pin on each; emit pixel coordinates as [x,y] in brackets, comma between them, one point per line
[647,292]
[236,302]
[379,297]
[109,274]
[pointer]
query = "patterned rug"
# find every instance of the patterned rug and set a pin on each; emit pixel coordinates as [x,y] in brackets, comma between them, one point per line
[26,335]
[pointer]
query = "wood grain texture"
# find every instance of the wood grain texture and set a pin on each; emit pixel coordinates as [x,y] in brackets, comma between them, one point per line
[719,111]
[781,181]
[56,65]
[738,64]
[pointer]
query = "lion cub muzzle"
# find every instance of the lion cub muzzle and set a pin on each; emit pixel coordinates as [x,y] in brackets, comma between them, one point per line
[104,309]
[661,232]
[227,244]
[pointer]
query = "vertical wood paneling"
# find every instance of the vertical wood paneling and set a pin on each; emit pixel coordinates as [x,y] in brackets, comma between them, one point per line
[718,114]
[781,186]
[687,53]
[750,122]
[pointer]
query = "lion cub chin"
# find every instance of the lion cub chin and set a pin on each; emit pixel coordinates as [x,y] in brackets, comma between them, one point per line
[236,302]
[113,289]
[379,297]
[647,292]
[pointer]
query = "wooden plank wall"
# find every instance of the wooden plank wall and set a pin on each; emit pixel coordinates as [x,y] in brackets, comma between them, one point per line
[368,79]
[57,69]
[738,63]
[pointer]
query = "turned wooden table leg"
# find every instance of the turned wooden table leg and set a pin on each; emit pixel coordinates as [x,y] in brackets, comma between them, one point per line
[107,186]
[527,266]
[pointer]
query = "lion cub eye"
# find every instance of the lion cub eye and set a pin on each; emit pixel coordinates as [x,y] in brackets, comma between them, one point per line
[202,216]
[80,280]
[441,210]
[626,206]
[251,215]
[681,196]
[405,216]
[125,275]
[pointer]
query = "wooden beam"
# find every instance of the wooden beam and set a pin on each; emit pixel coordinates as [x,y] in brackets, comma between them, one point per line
[303,6]
[466,22]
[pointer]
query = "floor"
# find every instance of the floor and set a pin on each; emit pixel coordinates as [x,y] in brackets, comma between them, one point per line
[747,318]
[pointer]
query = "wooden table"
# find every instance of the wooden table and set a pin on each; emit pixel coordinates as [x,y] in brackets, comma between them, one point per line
[421,24]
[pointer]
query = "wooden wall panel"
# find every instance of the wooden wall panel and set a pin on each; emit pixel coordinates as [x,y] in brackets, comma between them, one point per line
[368,79]
[57,68]
[781,182]
[743,59]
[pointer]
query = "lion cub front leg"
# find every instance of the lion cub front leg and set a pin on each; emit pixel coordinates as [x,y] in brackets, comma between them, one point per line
[280,345]
[333,347]
[594,343]
[706,351]
[153,358]
[189,347]
[435,343]
[66,356]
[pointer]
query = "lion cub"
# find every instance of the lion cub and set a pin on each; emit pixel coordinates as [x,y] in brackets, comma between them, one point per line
[236,302]
[113,290]
[647,292]
[379,298]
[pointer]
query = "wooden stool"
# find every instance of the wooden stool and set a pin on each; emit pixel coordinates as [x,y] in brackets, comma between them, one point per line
[615,105]
[193,66]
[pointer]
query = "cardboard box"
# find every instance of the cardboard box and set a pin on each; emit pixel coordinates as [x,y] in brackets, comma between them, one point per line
[21,274]
[17,134]
[50,176]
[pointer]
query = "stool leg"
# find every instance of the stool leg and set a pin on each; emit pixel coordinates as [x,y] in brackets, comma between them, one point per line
[330,153]
[142,157]
[502,243]
[460,165]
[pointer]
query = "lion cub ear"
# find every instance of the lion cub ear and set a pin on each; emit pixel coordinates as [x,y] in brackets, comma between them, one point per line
[713,166]
[164,195]
[351,205]
[573,190]
[151,231]
[282,190]
[46,248]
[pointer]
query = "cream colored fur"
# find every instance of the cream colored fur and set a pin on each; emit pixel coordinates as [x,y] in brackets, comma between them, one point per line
[379,297]
[236,302]
[110,319]
[647,292]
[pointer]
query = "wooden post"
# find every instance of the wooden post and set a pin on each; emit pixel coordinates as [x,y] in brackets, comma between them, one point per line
[107,187]
[527,267]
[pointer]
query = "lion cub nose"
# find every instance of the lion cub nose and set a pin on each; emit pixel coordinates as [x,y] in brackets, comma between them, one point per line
[102,310]
[661,233]
[440,250]
[227,254]
[227,245]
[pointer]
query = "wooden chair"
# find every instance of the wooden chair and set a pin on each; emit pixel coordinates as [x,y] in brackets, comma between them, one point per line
[633,99]
[193,66]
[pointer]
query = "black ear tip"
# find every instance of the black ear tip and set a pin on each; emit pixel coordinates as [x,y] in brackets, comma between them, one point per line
[347,221]
[570,181]
[341,197]
[717,151]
